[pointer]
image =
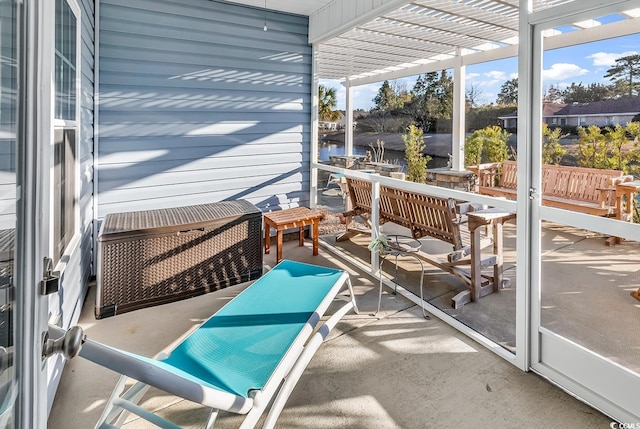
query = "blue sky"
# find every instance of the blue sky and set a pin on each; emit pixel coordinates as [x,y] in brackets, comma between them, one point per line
[587,63]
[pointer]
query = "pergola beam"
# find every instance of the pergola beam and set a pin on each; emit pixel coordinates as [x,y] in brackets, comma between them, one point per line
[341,16]
[616,29]
[480,57]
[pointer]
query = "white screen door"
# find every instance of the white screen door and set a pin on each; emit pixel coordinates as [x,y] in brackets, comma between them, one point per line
[585,265]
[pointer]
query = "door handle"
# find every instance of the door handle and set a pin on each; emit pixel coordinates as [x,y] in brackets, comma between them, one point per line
[50,282]
[68,344]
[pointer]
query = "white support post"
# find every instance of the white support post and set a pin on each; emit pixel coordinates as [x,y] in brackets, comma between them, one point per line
[527,86]
[313,188]
[348,129]
[458,126]
[375,224]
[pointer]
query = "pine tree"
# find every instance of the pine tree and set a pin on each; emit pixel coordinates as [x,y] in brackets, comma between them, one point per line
[508,92]
[625,73]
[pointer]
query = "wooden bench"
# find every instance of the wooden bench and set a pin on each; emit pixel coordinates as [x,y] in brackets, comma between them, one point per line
[586,190]
[431,216]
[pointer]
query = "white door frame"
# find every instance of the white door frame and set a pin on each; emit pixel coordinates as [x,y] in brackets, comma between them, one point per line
[33,209]
[602,383]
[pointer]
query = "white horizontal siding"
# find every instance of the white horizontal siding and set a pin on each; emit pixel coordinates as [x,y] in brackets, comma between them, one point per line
[281,195]
[198,104]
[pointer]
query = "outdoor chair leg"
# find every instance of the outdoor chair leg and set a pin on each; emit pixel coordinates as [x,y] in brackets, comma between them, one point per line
[395,278]
[380,288]
[213,415]
[424,312]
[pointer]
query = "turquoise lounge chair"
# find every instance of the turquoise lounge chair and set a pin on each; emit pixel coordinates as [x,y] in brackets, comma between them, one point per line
[253,349]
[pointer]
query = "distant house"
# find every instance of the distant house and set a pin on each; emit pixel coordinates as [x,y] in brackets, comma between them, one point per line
[326,125]
[619,111]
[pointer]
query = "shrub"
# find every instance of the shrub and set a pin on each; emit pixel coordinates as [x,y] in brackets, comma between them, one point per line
[592,148]
[414,156]
[486,145]
[377,151]
[552,151]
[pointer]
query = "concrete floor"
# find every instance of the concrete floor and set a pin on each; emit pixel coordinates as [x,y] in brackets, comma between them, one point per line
[395,370]
[585,291]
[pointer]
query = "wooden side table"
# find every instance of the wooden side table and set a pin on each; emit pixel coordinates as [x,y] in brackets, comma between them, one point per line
[496,218]
[298,217]
[624,199]
[625,193]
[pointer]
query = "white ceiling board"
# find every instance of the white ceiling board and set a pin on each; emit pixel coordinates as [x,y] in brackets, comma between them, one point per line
[299,7]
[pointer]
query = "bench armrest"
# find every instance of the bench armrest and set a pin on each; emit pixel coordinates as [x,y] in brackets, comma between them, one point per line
[622,179]
[487,173]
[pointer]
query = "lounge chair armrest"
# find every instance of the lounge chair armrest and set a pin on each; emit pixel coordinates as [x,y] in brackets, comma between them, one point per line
[150,371]
[303,361]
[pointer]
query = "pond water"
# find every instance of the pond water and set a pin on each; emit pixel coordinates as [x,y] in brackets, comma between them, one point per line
[391,156]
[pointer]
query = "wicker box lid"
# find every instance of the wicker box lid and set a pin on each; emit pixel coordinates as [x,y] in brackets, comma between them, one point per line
[172,220]
[7,244]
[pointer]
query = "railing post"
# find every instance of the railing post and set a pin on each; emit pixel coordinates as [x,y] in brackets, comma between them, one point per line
[375,223]
[348,131]
[459,102]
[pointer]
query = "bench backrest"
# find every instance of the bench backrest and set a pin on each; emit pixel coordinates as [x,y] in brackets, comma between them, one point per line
[360,195]
[574,183]
[509,175]
[434,217]
[577,183]
[394,207]
[424,215]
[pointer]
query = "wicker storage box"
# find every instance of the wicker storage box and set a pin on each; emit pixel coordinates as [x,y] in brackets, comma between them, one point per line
[7,245]
[156,256]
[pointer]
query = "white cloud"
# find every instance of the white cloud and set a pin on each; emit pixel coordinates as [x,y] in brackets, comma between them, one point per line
[561,71]
[496,75]
[608,58]
[489,96]
[513,76]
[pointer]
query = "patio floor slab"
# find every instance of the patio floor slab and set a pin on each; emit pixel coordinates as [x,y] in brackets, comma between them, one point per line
[393,370]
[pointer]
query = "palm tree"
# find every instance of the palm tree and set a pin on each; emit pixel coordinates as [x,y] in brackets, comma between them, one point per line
[327,103]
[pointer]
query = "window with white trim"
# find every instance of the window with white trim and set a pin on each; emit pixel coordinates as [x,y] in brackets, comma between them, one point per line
[65,127]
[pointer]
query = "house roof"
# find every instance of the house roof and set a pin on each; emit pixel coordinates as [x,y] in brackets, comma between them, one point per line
[617,106]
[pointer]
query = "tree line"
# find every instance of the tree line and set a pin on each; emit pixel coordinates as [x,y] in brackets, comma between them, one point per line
[429,104]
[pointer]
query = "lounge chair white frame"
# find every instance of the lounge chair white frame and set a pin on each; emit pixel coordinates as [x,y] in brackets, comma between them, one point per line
[179,382]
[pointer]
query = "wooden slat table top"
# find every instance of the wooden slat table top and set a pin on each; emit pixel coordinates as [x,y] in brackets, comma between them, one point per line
[487,216]
[294,217]
[634,185]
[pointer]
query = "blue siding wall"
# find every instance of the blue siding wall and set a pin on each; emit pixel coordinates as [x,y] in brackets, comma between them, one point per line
[198,104]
